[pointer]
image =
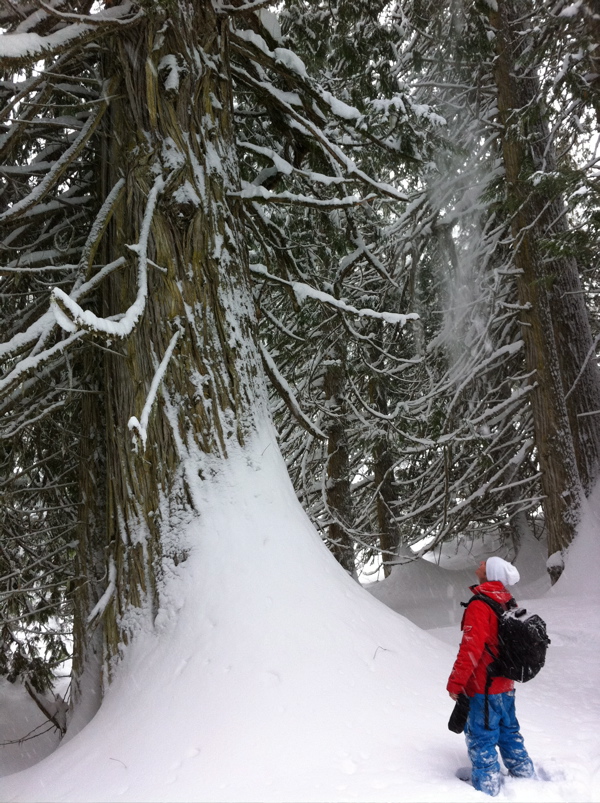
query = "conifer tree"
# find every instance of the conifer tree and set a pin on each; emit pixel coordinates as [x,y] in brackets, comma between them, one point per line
[187,129]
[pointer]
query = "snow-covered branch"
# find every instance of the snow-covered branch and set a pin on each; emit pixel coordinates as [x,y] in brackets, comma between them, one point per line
[303,291]
[70,316]
[287,394]
[98,610]
[97,20]
[46,322]
[256,45]
[259,194]
[244,8]
[100,223]
[140,426]
[33,363]
[58,168]
[23,48]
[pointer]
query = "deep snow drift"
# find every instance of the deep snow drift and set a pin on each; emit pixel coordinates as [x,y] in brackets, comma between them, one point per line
[272,675]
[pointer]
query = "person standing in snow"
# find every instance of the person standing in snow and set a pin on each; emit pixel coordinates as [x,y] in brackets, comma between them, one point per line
[469,675]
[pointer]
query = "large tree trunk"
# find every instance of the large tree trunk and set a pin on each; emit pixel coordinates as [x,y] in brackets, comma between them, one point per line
[338,499]
[578,362]
[171,115]
[91,565]
[570,320]
[383,474]
[554,440]
[383,467]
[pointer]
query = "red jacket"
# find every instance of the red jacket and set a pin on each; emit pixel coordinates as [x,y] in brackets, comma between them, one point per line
[480,627]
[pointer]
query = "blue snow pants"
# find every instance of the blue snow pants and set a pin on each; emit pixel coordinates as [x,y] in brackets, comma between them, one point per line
[504,733]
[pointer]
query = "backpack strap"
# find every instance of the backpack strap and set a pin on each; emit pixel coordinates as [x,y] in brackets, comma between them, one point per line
[486,706]
[497,607]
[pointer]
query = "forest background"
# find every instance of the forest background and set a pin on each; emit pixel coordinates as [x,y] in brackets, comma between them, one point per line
[387,210]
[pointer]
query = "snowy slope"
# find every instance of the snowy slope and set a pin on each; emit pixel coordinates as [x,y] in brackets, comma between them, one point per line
[272,675]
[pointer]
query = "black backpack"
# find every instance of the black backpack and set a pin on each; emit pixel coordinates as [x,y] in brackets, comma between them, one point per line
[522,644]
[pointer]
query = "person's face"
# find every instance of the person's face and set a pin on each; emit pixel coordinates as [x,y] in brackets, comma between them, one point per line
[480,572]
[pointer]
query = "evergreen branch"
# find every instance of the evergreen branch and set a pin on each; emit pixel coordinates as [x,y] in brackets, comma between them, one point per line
[95,20]
[287,395]
[259,194]
[244,8]
[70,315]
[43,325]
[19,50]
[58,168]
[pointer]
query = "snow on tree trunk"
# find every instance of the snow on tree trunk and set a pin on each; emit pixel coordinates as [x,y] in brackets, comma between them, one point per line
[171,139]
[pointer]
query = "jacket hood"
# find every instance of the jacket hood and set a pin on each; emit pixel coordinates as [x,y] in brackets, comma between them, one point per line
[493,589]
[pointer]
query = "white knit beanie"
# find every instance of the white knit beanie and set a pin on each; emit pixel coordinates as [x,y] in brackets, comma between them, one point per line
[502,571]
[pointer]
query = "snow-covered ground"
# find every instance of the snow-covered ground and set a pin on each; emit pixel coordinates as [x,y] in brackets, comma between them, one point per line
[272,676]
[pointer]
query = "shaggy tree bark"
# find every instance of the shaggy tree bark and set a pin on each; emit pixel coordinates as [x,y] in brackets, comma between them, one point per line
[92,568]
[187,316]
[171,140]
